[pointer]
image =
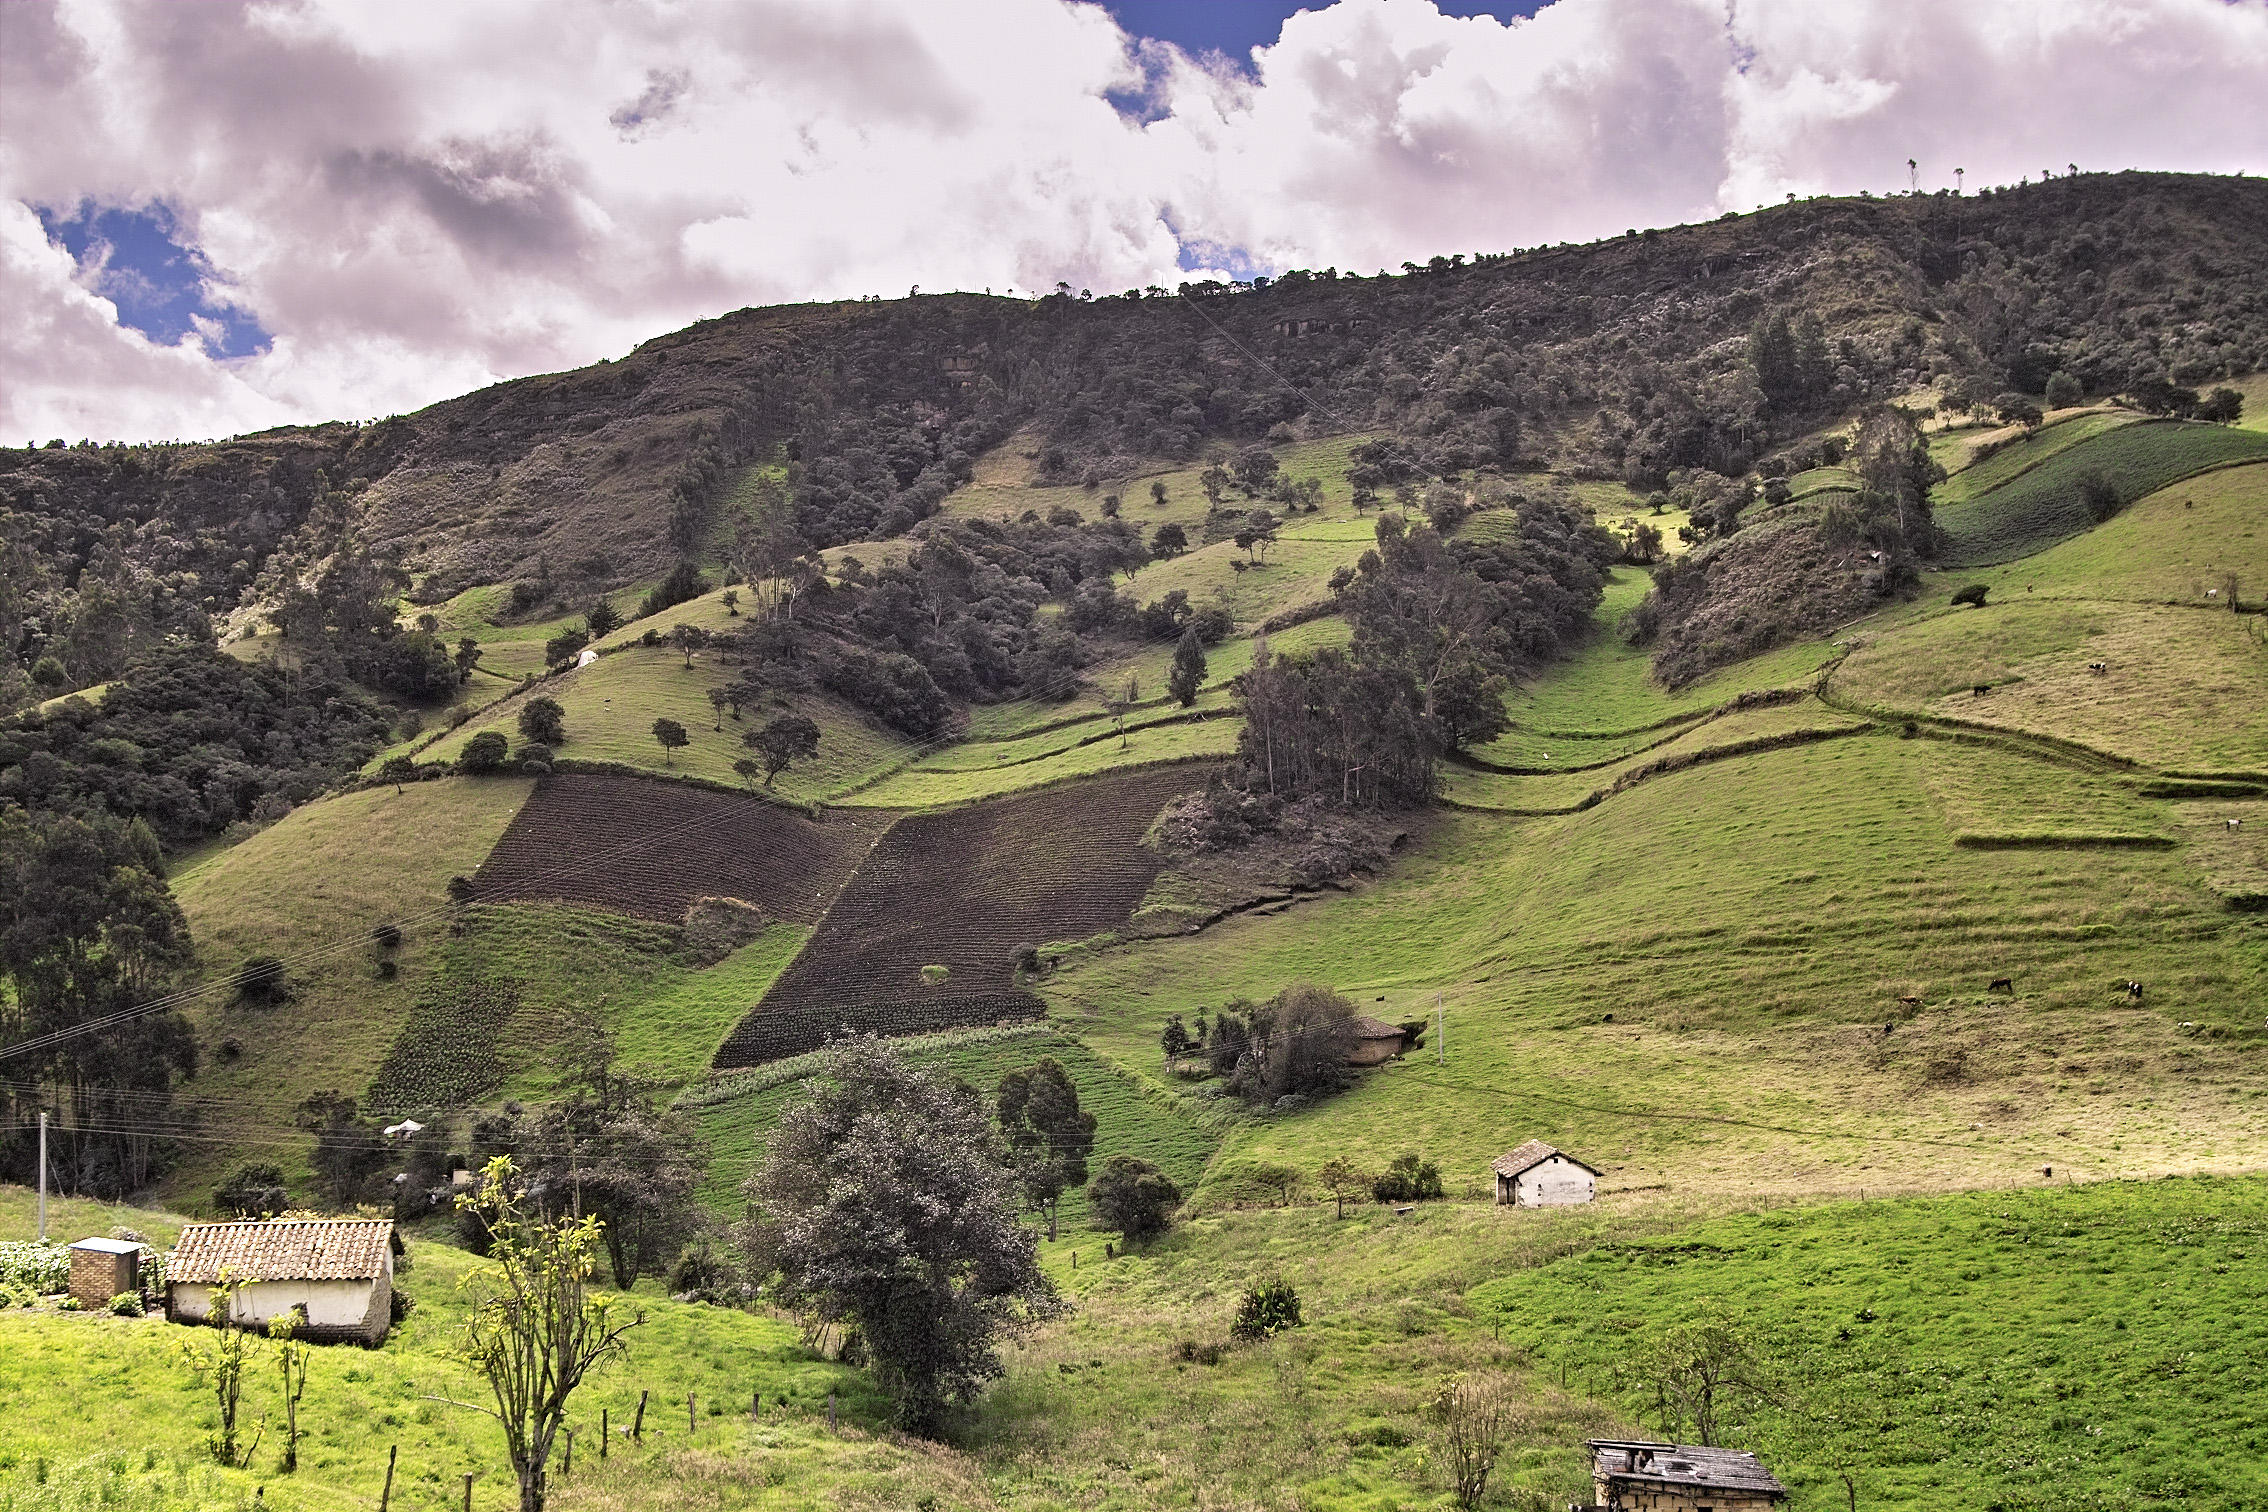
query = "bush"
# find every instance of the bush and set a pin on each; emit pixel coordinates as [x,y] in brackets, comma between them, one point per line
[12,1295]
[126,1305]
[1269,1307]
[1973,594]
[484,753]
[1408,1179]
[388,936]
[1133,1197]
[261,980]
[402,1305]
[543,722]
[256,1191]
[1200,1354]
[2100,495]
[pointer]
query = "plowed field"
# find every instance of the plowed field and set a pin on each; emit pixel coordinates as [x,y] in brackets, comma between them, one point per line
[964,890]
[649,848]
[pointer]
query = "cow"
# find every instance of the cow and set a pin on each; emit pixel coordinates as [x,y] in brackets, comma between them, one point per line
[2098,668]
[2235,825]
[1911,1002]
[1889,1028]
[1980,690]
[2134,991]
[2002,984]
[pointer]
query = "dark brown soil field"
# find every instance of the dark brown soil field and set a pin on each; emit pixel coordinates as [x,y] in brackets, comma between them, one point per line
[648,847]
[964,890]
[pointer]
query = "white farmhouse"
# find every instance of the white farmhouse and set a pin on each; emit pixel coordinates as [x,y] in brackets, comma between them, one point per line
[339,1270]
[1536,1175]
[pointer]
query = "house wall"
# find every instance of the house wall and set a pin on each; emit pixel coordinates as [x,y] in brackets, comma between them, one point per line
[336,1310]
[1371,1052]
[1630,1498]
[1554,1182]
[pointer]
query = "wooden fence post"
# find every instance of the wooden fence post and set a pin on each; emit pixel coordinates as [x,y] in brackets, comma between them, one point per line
[830,1409]
[755,1405]
[605,1432]
[567,1465]
[638,1423]
[689,1412]
[387,1495]
[468,1491]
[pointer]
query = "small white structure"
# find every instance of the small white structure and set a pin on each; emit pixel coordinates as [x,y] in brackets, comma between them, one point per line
[1536,1175]
[340,1271]
[589,655]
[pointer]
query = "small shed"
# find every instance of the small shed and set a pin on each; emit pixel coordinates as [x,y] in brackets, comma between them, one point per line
[338,1271]
[102,1268]
[1536,1175]
[1645,1477]
[1375,1040]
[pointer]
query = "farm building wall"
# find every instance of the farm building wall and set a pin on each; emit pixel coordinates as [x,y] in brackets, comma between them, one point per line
[1373,1052]
[1631,1498]
[337,1311]
[1552,1182]
[98,1275]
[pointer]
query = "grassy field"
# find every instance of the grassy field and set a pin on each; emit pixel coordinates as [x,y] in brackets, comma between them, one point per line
[2041,506]
[2184,687]
[922,787]
[2110,1334]
[1750,925]
[1296,571]
[309,889]
[2179,545]
[1002,486]
[612,705]
[2021,453]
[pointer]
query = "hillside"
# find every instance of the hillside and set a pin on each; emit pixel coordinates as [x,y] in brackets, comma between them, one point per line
[1816,940]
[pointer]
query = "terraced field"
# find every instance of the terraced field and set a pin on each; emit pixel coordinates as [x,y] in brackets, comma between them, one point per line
[649,848]
[925,935]
[2042,505]
[2020,453]
[2180,545]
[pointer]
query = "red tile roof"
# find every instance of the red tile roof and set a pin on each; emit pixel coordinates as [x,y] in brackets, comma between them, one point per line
[1530,1155]
[292,1249]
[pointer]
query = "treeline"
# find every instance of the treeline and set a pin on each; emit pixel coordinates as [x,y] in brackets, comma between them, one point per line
[1438,626]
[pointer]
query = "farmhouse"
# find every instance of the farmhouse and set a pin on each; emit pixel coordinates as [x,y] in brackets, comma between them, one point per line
[1536,1175]
[1643,1477]
[103,1268]
[1375,1040]
[339,1270]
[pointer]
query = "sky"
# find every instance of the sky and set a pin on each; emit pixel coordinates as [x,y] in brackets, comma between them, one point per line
[220,217]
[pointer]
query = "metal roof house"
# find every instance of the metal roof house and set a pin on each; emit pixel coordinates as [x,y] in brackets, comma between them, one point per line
[1644,1477]
[340,1271]
[1537,1175]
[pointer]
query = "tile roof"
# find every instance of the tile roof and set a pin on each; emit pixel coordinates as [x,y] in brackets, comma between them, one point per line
[1682,1465]
[292,1249]
[1534,1153]
[1366,1027]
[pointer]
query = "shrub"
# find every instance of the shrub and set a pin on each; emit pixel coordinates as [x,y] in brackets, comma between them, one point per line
[126,1305]
[484,753]
[256,1191]
[1200,1354]
[12,1295]
[1133,1197]
[1408,1179]
[261,980]
[69,1304]
[1269,1307]
[544,723]
[2100,495]
[39,1267]
[565,646]
[1973,594]
[388,936]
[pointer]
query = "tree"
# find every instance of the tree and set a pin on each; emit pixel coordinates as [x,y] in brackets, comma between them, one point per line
[1339,1177]
[467,658]
[2063,391]
[1158,493]
[1048,1137]
[718,698]
[884,1203]
[218,1363]
[688,639]
[2223,406]
[1260,525]
[292,1354]
[1169,541]
[398,770]
[483,753]
[1188,674]
[537,1327]
[747,770]
[565,646]
[1133,1197]
[601,619]
[1476,1416]
[780,742]
[252,1191]
[1700,1369]
[672,736]
[348,1148]
[543,720]
[731,602]
[1175,1039]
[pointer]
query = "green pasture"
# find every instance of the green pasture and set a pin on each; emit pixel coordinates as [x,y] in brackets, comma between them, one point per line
[1130,1119]
[2254,387]
[1296,571]
[2024,453]
[2183,688]
[2177,546]
[1586,703]
[1750,925]
[104,1412]
[1468,788]
[2042,505]
[1822,480]
[927,787]
[310,888]
[2110,1334]
[611,706]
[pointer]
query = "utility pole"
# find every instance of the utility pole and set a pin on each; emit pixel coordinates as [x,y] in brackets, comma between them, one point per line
[43,1175]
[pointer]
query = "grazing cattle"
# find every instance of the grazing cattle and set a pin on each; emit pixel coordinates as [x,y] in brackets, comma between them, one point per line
[2134,991]
[1981,689]
[1889,1028]
[2098,668]
[2048,1171]
[2002,984]
[2235,825]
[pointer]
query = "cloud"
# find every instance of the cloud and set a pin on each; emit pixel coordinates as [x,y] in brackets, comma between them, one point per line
[418,198]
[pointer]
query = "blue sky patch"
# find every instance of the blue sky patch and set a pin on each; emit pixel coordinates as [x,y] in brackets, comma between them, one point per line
[1232,28]
[140,261]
